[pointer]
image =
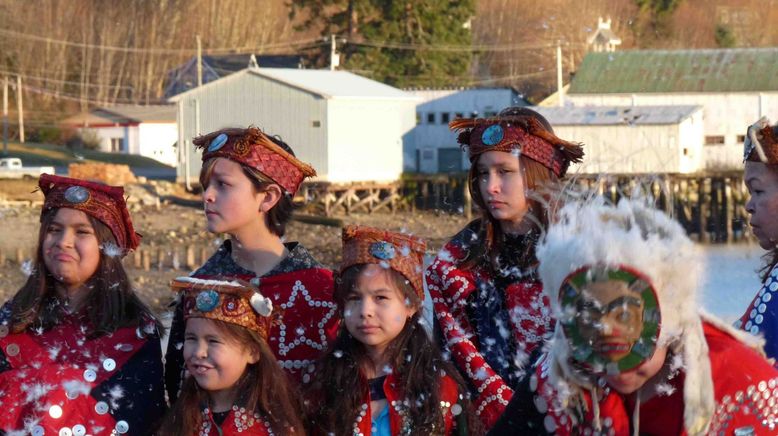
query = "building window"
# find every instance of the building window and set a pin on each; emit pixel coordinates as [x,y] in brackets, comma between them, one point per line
[459,115]
[116,144]
[418,118]
[431,118]
[445,118]
[741,139]
[317,123]
[714,140]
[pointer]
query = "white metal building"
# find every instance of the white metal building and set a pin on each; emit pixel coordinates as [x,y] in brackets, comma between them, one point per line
[348,127]
[735,87]
[147,130]
[432,147]
[632,140]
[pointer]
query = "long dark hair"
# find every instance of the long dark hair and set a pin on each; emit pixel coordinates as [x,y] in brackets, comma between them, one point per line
[110,305]
[771,259]
[536,176]
[337,391]
[263,388]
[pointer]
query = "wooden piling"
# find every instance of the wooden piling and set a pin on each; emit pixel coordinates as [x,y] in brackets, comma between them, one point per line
[190,258]
[146,260]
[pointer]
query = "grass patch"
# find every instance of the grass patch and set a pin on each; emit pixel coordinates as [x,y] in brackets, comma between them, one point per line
[57,155]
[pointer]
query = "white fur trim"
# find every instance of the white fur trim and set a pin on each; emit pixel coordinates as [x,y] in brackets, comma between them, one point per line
[262,305]
[632,233]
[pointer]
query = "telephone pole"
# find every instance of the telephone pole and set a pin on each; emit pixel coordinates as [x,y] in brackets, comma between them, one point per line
[20,107]
[5,115]
[334,56]
[199,62]
[559,83]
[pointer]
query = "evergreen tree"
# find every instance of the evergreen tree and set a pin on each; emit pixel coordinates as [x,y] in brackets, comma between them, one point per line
[724,36]
[392,41]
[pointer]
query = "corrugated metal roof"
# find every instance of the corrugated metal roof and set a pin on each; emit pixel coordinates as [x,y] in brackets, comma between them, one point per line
[324,83]
[334,84]
[664,71]
[138,113]
[124,114]
[616,115]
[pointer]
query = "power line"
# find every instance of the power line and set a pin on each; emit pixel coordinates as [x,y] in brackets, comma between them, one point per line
[164,51]
[71,97]
[310,42]
[65,82]
[451,48]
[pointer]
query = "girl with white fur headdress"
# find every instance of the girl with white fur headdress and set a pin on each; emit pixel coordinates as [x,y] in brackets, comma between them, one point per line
[631,352]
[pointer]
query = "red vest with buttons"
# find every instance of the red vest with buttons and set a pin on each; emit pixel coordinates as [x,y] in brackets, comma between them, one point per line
[238,421]
[449,396]
[62,382]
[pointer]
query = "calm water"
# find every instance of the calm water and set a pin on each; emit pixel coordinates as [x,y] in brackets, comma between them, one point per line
[731,280]
[729,283]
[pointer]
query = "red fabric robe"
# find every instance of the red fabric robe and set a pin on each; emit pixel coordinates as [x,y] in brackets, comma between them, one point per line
[60,379]
[449,396]
[238,422]
[745,390]
[450,286]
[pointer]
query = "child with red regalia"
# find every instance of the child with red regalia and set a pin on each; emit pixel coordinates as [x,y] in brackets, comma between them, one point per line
[489,305]
[249,180]
[235,385]
[632,352]
[80,352]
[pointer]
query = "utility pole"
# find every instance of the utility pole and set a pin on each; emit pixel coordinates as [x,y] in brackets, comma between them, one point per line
[199,62]
[334,56]
[20,107]
[559,83]
[5,115]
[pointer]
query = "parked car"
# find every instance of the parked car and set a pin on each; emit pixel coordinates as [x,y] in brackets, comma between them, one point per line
[12,168]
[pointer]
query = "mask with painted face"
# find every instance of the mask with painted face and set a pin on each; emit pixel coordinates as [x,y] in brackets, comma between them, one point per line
[610,318]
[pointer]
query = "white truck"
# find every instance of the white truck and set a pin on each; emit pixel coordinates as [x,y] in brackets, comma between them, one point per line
[11,168]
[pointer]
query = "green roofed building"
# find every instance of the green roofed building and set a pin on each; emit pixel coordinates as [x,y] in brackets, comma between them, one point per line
[734,86]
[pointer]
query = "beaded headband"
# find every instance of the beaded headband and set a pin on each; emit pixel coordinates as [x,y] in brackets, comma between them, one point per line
[254,148]
[761,143]
[400,252]
[104,203]
[235,302]
[523,134]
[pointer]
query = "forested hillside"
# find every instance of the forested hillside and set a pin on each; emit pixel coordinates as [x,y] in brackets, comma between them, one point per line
[75,54]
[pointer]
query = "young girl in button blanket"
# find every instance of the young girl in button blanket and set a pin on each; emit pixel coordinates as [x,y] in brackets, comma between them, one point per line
[383,375]
[488,301]
[80,353]
[235,384]
[761,177]
[249,180]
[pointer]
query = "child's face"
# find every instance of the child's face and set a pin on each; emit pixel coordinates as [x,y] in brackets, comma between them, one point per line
[375,311]
[71,251]
[231,202]
[629,382]
[762,183]
[501,185]
[215,360]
